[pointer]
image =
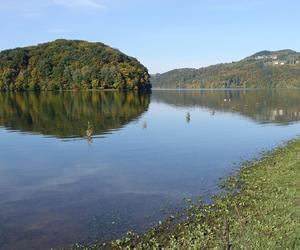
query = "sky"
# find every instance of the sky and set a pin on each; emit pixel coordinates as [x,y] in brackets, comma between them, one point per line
[161,34]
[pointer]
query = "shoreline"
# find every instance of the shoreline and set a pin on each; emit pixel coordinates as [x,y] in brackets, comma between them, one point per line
[258,209]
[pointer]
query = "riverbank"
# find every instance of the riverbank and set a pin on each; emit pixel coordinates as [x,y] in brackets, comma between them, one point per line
[260,210]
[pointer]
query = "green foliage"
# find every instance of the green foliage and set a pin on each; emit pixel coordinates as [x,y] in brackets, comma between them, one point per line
[70,65]
[265,69]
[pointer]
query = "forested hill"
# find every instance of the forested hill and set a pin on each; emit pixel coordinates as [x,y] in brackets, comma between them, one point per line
[266,69]
[70,64]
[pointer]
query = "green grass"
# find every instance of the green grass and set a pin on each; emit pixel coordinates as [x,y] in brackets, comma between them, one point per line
[260,210]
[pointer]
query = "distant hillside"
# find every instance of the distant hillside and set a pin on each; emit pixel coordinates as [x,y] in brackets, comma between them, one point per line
[266,69]
[70,64]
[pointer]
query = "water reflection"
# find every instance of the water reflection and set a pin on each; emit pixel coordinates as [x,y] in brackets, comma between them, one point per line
[90,114]
[179,144]
[263,106]
[68,114]
[144,126]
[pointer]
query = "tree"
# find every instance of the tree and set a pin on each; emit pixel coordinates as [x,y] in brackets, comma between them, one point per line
[70,64]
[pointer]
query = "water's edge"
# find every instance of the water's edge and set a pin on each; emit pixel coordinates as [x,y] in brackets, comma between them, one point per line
[225,205]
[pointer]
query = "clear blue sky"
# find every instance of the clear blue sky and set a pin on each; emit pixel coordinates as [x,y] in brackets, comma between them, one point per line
[162,34]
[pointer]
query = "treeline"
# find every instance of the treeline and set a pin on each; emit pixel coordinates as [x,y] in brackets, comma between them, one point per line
[70,65]
[279,69]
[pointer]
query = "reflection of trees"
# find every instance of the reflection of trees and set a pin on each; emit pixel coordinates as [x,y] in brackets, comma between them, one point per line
[67,114]
[264,106]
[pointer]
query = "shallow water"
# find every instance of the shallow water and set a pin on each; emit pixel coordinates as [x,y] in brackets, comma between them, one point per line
[147,152]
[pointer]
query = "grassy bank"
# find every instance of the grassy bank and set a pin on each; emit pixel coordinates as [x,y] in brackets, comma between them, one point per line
[261,210]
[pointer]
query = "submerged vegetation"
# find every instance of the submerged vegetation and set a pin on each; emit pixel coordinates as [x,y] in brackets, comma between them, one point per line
[266,69]
[70,65]
[259,210]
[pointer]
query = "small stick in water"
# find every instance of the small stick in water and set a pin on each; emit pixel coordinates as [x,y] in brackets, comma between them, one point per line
[188,117]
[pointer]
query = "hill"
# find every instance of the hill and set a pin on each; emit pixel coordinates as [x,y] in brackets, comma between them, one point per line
[70,64]
[265,69]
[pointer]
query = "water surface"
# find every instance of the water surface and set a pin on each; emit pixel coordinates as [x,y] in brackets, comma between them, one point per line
[146,152]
